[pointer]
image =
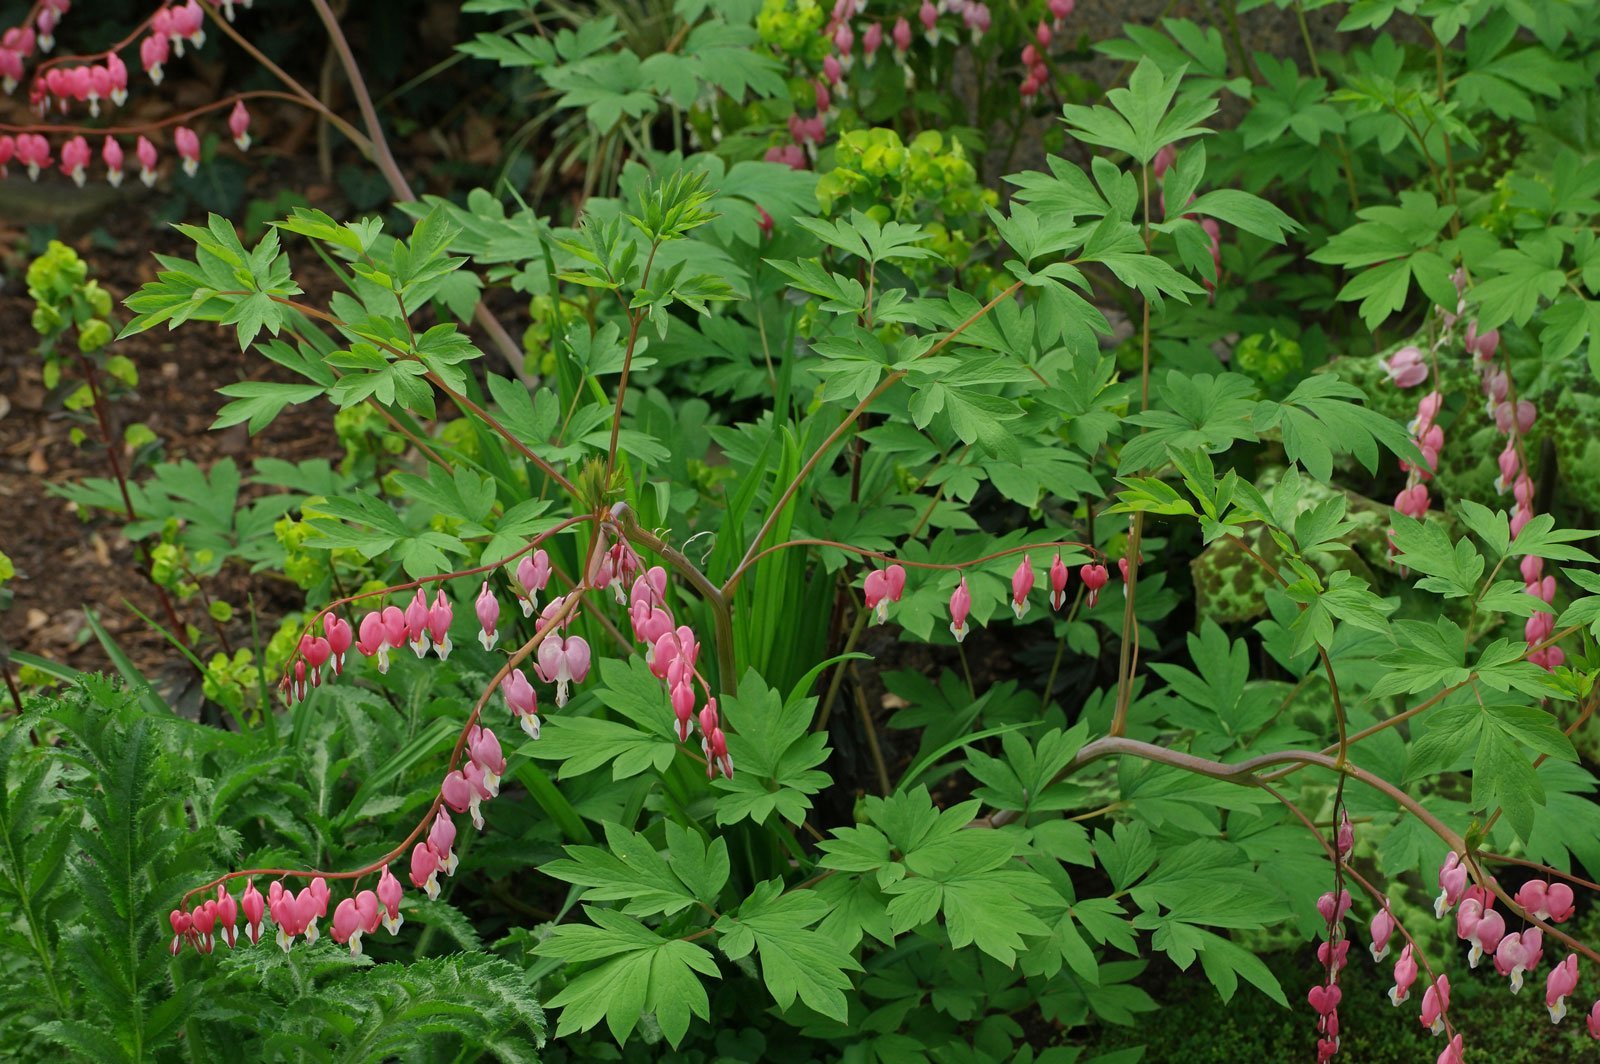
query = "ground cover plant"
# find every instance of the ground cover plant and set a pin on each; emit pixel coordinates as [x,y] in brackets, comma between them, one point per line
[894,532]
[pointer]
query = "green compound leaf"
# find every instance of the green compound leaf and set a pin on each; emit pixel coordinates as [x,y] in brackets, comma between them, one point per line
[795,962]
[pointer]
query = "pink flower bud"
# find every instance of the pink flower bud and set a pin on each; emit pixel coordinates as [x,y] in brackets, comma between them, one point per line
[1333,912]
[153,54]
[1525,416]
[369,910]
[1381,928]
[75,157]
[461,796]
[1427,409]
[1163,161]
[1405,973]
[253,906]
[1559,985]
[182,924]
[871,41]
[1325,998]
[1021,586]
[117,75]
[1523,491]
[488,610]
[1519,953]
[239,125]
[347,926]
[1094,578]
[1058,583]
[1406,367]
[339,639]
[901,34]
[1484,935]
[188,147]
[442,841]
[33,151]
[146,153]
[484,749]
[1435,1001]
[1336,956]
[1482,344]
[1519,520]
[960,607]
[1413,501]
[1346,838]
[1452,881]
[425,869]
[316,650]
[188,24]
[719,755]
[389,894]
[882,587]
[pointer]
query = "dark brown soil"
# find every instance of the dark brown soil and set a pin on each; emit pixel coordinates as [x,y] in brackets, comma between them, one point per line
[67,560]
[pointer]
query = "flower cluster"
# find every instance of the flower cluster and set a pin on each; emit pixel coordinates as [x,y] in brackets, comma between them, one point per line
[1033,54]
[671,651]
[1513,418]
[884,586]
[1516,954]
[295,914]
[1332,953]
[102,80]
[846,36]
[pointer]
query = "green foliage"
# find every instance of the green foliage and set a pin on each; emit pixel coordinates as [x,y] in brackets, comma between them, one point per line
[768,381]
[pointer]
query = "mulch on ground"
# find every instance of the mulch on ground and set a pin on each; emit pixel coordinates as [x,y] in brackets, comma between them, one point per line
[67,560]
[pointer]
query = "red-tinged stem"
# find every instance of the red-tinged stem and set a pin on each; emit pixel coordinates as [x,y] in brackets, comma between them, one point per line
[1428,704]
[382,156]
[1128,656]
[1544,870]
[1588,711]
[162,123]
[892,559]
[1492,886]
[1342,747]
[11,685]
[57,60]
[364,144]
[433,378]
[1242,773]
[622,386]
[378,143]
[844,426]
[715,598]
[103,420]
[569,605]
